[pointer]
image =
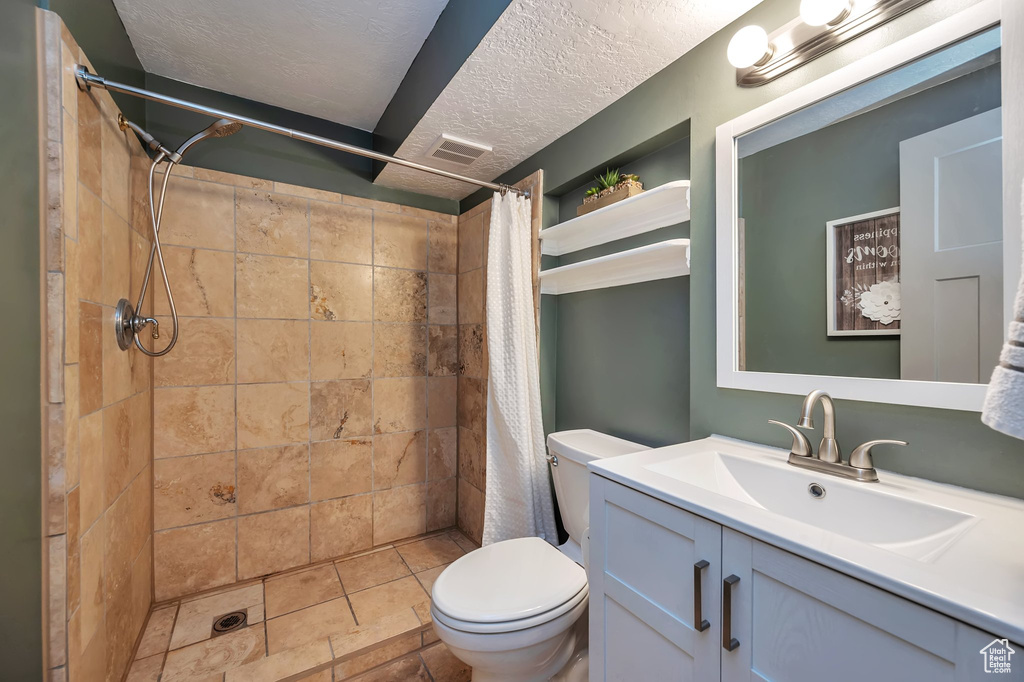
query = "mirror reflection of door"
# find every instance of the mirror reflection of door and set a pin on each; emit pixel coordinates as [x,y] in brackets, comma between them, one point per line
[952,256]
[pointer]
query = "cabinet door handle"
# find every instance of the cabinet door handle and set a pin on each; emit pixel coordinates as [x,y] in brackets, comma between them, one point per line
[698,621]
[729,643]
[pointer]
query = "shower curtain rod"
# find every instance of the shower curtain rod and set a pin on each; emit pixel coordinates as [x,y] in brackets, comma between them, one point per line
[87,79]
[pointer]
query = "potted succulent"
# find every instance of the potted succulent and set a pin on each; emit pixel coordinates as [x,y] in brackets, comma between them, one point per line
[611,186]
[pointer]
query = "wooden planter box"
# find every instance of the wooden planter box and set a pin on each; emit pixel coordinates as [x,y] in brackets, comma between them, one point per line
[621,191]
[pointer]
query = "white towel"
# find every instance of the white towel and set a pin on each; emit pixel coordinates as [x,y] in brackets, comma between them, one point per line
[1004,399]
[518,499]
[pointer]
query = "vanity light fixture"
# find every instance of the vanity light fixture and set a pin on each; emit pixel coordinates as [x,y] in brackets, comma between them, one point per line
[823,25]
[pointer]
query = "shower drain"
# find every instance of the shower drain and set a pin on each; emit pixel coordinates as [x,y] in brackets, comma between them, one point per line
[229,622]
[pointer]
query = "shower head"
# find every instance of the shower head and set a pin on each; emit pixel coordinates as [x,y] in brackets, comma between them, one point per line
[220,128]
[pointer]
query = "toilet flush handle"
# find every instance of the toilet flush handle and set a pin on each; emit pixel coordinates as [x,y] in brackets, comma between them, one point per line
[552,460]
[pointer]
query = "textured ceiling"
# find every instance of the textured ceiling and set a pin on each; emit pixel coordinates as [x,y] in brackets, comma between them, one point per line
[341,60]
[545,67]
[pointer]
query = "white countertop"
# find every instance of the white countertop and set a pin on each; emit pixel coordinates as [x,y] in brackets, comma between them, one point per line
[979,579]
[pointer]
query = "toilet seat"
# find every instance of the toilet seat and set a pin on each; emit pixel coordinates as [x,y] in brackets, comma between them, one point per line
[508,586]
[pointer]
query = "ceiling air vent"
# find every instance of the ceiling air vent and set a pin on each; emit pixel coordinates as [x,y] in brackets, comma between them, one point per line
[454,152]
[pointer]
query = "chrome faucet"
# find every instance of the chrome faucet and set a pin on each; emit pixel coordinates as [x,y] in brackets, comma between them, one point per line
[829,458]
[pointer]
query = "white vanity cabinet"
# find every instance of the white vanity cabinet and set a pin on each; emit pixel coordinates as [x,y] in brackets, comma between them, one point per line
[785,618]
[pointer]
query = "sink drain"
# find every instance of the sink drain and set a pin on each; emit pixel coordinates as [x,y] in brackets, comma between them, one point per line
[816,490]
[229,622]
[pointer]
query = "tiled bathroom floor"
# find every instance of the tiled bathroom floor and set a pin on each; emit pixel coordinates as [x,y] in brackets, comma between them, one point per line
[364,618]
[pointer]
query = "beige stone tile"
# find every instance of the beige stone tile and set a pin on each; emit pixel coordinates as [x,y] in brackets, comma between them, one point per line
[428,576]
[195,558]
[444,351]
[444,248]
[126,532]
[203,282]
[399,404]
[471,351]
[340,409]
[196,617]
[399,295]
[71,416]
[72,294]
[399,459]
[74,563]
[69,201]
[272,414]
[232,179]
[442,401]
[271,542]
[198,662]
[193,489]
[400,241]
[370,570]
[471,243]
[90,357]
[116,258]
[409,668]
[399,350]
[117,470]
[472,404]
[471,510]
[340,233]
[92,484]
[273,478]
[425,213]
[92,608]
[53,214]
[283,665]
[341,350]
[308,625]
[116,165]
[430,553]
[472,458]
[471,297]
[54,471]
[339,527]
[371,203]
[204,354]
[53,310]
[68,85]
[320,676]
[444,666]
[441,453]
[92,663]
[429,637]
[399,513]
[199,214]
[117,364]
[442,503]
[270,286]
[190,421]
[146,669]
[307,192]
[273,350]
[56,607]
[140,439]
[271,223]
[138,260]
[383,600]
[302,589]
[442,304]
[378,655]
[156,638]
[339,468]
[340,291]
[90,145]
[90,246]
[463,541]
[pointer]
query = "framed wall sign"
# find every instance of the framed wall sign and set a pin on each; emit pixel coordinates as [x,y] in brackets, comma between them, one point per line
[863,273]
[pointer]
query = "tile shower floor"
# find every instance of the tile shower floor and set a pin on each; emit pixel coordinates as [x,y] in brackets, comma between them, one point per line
[364,618]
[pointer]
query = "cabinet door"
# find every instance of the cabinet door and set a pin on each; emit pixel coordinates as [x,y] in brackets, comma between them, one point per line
[643,585]
[797,621]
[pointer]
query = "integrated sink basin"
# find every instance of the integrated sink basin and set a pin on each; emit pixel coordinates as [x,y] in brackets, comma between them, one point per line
[866,512]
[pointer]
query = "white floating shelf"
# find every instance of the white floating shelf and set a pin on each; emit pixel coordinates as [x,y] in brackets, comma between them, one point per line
[662,206]
[665,259]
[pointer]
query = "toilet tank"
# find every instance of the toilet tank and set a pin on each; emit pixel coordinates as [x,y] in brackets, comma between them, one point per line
[573,449]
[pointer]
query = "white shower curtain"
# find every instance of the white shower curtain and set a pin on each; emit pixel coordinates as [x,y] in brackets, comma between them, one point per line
[518,499]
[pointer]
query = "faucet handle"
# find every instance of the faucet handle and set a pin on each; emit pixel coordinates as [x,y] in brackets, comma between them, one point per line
[801,446]
[860,458]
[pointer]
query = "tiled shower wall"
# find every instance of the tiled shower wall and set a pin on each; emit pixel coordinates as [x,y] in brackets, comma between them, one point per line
[472,394]
[309,408]
[98,501]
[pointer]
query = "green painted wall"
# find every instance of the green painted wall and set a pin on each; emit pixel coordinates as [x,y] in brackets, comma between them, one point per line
[621,355]
[700,87]
[21,656]
[846,169]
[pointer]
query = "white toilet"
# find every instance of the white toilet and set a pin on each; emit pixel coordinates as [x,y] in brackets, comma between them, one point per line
[514,610]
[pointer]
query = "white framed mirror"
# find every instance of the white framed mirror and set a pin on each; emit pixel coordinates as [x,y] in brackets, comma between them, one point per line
[861,241]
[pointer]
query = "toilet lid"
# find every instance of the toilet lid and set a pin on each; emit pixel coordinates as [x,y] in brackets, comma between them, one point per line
[507,581]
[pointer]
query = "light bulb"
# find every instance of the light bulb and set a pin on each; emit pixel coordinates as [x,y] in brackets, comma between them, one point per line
[748,47]
[822,12]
